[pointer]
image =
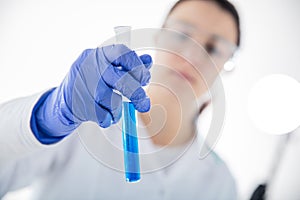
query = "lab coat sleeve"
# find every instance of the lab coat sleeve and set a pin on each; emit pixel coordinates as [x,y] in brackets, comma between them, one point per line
[22,157]
[16,137]
[35,166]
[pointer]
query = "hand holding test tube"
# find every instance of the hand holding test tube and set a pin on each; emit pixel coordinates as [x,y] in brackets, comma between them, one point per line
[129,130]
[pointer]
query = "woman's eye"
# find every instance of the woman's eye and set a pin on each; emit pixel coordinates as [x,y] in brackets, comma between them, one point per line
[212,50]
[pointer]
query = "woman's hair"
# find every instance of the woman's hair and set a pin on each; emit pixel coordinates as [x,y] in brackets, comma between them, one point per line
[226,6]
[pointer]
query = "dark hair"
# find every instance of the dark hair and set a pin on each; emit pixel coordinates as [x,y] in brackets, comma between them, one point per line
[225,5]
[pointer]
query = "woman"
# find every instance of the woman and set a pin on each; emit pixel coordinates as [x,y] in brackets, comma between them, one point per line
[38,141]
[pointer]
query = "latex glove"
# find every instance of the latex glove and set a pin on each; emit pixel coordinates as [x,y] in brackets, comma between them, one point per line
[88,92]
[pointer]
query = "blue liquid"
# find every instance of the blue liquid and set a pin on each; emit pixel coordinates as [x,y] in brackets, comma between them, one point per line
[130,143]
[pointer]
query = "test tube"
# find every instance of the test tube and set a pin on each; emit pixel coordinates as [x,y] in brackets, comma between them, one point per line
[129,130]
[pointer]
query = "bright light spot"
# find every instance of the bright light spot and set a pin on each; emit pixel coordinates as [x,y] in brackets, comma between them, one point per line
[274,104]
[229,66]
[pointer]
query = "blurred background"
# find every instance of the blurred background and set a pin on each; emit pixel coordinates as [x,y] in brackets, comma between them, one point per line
[39,40]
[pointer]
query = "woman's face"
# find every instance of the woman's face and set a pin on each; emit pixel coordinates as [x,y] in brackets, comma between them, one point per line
[207,30]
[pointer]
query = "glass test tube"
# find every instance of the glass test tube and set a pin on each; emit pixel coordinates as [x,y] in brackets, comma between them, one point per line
[129,129]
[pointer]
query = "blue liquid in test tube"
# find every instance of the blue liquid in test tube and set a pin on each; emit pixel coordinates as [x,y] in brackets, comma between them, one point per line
[129,130]
[130,143]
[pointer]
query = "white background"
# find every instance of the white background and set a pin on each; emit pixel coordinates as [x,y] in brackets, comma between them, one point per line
[39,40]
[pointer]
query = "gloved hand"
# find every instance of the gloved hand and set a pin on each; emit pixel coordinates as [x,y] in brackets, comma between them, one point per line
[88,92]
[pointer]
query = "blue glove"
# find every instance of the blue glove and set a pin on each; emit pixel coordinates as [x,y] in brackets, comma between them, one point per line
[88,92]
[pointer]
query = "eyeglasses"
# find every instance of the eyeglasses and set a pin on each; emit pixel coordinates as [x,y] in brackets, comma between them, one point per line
[184,38]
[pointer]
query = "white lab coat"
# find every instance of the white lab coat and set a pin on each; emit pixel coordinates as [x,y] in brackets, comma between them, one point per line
[85,165]
[286,181]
